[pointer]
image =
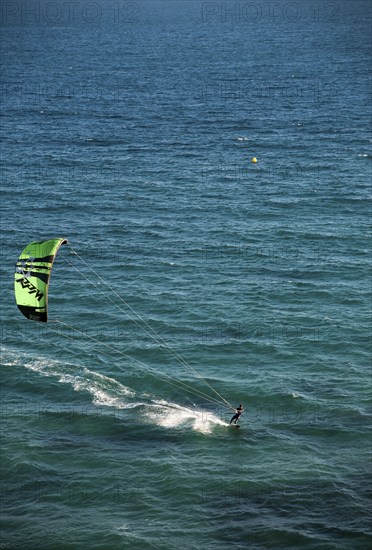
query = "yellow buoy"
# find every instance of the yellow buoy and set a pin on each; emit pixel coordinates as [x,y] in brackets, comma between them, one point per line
[254,160]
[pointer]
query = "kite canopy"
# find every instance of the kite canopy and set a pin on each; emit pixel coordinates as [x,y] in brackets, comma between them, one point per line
[31,280]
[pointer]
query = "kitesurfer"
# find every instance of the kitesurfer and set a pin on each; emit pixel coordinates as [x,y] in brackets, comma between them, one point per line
[238,413]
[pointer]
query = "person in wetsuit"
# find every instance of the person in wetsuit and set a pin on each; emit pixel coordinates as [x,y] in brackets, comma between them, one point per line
[238,413]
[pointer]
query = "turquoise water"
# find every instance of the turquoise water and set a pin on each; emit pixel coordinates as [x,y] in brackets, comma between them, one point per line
[129,128]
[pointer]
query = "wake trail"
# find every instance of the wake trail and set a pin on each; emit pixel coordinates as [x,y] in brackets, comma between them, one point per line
[107,392]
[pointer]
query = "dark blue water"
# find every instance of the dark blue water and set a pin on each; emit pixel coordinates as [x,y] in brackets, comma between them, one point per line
[129,128]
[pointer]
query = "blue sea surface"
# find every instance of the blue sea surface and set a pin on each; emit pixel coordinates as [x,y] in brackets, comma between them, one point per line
[194,278]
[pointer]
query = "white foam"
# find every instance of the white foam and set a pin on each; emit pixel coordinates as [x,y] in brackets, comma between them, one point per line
[171,415]
[104,390]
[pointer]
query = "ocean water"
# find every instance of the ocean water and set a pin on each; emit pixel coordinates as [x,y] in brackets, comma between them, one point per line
[194,279]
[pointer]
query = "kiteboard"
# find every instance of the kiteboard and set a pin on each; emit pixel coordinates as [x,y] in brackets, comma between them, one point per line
[234,426]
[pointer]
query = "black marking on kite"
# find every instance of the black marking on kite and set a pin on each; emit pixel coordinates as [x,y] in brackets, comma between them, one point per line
[32,289]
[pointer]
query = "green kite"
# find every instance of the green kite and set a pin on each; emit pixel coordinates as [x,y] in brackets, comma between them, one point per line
[31,279]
